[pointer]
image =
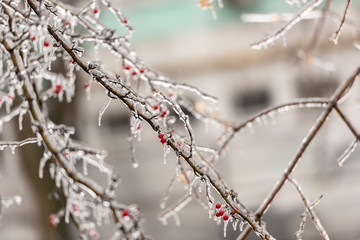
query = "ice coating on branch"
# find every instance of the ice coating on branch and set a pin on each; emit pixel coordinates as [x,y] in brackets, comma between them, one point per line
[347,153]
[46,156]
[102,111]
[283,30]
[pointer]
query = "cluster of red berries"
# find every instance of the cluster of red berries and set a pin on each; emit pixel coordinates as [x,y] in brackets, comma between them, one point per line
[221,212]
[163,113]
[162,138]
[141,70]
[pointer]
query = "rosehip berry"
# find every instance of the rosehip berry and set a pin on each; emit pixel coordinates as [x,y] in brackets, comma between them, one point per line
[171,94]
[96,10]
[142,70]
[163,140]
[218,205]
[134,73]
[86,85]
[226,217]
[161,135]
[11,97]
[125,213]
[67,22]
[127,67]
[217,214]
[221,212]
[33,37]
[46,43]
[125,20]
[156,107]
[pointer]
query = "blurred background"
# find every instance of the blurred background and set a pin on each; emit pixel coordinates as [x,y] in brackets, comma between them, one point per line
[185,43]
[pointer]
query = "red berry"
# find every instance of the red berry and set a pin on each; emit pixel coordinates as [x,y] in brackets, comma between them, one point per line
[58,88]
[156,107]
[163,113]
[96,10]
[163,140]
[70,60]
[218,205]
[226,217]
[221,212]
[127,67]
[125,213]
[134,73]
[142,70]
[33,37]
[67,22]
[125,20]
[161,135]
[11,96]
[86,85]
[171,94]
[53,220]
[46,43]
[217,214]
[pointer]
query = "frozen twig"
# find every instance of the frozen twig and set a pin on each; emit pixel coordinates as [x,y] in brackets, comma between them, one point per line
[304,145]
[309,209]
[282,31]
[336,34]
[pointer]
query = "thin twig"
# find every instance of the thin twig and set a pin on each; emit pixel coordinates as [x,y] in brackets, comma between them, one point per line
[335,36]
[310,210]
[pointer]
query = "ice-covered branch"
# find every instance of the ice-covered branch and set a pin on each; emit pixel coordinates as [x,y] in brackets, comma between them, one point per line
[341,90]
[336,34]
[309,210]
[283,30]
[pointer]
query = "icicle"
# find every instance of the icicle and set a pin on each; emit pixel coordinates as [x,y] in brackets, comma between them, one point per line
[52,170]
[12,147]
[51,56]
[225,227]
[68,208]
[220,3]
[58,178]
[235,223]
[166,150]
[241,226]
[192,184]
[85,168]
[46,156]
[177,219]
[20,118]
[284,41]
[102,110]
[250,126]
